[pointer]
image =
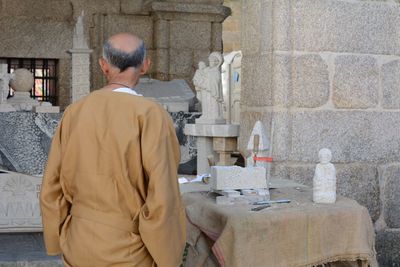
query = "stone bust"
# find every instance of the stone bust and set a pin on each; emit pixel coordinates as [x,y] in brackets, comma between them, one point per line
[324,183]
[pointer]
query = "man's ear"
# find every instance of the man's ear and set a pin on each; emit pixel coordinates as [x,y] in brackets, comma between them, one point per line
[105,67]
[145,66]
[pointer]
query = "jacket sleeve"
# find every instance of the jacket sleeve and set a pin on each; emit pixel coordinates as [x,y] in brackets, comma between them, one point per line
[162,217]
[53,205]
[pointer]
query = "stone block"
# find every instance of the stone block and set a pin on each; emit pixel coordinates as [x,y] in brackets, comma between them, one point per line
[257,80]
[55,9]
[212,130]
[25,139]
[161,33]
[225,144]
[282,24]
[190,35]
[162,61]
[391,194]
[132,7]
[356,82]
[360,182]
[352,136]
[282,79]
[96,7]
[142,26]
[390,85]
[180,61]
[216,36]
[251,25]
[310,82]
[388,247]
[21,36]
[234,177]
[19,203]
[25,249]
[339,26]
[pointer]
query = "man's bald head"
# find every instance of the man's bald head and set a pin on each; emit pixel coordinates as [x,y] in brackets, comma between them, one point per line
[124,50]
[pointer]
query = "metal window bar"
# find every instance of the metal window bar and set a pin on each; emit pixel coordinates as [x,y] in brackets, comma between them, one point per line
[46,78]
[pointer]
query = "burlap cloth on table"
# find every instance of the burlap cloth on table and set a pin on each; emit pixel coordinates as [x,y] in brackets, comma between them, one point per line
[301,233]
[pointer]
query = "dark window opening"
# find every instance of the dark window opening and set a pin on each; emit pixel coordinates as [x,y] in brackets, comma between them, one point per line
[45,74]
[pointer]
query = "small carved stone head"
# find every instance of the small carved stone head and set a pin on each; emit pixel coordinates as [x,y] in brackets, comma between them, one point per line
[324,155]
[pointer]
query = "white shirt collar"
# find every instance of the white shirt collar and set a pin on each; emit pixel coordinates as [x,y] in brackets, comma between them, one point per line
[127,90]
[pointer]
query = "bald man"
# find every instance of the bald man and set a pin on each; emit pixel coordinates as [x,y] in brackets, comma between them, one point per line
[110,195]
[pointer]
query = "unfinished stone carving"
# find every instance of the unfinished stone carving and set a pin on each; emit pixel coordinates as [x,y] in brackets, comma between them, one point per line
[258,146]
[324,184]
[207,81]
[235,177]
[19,202]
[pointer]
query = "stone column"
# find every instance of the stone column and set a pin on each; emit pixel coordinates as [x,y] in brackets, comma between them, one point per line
[80,62]
[80,73]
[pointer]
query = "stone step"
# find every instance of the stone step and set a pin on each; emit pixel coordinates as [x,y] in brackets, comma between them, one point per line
[25,249]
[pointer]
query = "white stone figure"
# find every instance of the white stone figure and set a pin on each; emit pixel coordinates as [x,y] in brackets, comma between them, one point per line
[208,81]
[324,184]
[259,153]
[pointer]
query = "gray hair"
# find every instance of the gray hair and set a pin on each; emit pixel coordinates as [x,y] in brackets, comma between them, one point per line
[124,60]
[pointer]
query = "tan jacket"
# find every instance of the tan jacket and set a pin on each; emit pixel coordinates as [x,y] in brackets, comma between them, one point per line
[110,195]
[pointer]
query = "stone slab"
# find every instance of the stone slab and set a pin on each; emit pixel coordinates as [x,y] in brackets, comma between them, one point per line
[190,35]
[356,82]
[25,139]
[46,109]
[390,84]
[25,249]
[352,136]
[167,93]
[235,177]
[338,26]
[310,81]
[19,202]
[388,247]
[391,195]
[54,37]
[221,130]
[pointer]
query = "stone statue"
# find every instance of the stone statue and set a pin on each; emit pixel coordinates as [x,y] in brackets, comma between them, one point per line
[79,40]
[207,81]
[324,184]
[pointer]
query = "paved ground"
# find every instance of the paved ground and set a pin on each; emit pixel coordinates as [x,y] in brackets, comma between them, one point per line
[25,249]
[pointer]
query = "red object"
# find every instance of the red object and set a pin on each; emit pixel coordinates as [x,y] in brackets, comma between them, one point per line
[264,159]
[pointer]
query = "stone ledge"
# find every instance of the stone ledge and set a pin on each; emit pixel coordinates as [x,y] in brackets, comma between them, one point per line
[222,130]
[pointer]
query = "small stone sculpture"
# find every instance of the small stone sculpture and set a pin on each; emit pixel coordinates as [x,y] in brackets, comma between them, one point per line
[207,81]
[324,185]
[4,89]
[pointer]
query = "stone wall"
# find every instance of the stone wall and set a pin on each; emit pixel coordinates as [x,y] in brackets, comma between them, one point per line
[326,74]
[177,33]
[231,27]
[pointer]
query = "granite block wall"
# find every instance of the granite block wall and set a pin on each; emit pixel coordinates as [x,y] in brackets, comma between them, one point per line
[326,74]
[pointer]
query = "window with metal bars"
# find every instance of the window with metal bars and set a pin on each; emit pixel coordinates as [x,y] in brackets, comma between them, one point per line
[45,74]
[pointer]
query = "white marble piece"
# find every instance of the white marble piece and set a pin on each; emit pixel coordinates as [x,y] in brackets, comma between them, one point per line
[324,183]
[19,202]
[231,86]
[235,177]
[207,81]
